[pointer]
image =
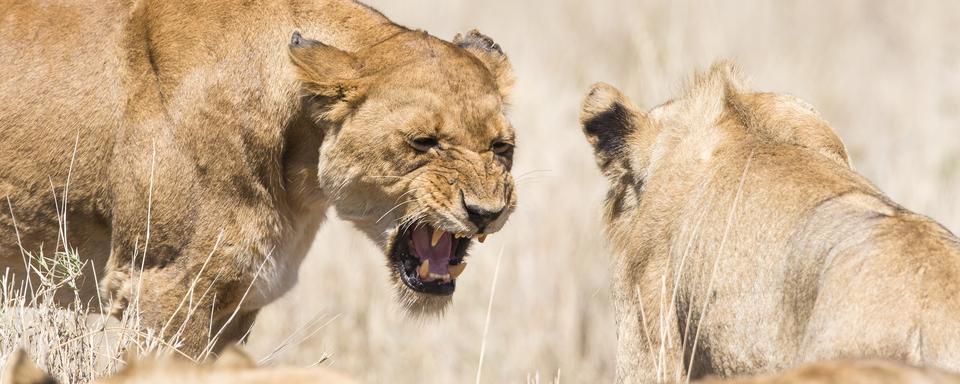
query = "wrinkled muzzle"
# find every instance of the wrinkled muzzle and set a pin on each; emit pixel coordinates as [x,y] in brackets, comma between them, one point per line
[453,204]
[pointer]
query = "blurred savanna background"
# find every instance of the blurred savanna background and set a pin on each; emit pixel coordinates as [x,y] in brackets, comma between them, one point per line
[886,74]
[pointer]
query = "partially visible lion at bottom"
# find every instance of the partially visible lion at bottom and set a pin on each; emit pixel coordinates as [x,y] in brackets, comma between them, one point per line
[745,243]
[233,366]
[850,372]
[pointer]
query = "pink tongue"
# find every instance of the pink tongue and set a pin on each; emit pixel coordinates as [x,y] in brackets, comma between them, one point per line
[439,256]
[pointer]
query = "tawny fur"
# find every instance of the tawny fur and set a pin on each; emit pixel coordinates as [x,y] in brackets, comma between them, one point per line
[194,145]
[20,369]
[850,372]
[746,244]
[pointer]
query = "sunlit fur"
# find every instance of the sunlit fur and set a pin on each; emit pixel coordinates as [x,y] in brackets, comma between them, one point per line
[748,199]
[414,86]
[202,145]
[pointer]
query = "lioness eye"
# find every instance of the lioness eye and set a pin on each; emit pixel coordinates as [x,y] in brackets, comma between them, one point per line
[501,147]
[424,144]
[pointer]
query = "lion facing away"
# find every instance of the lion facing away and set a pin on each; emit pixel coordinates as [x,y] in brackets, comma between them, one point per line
[745,243]
[233,366]
[188,151]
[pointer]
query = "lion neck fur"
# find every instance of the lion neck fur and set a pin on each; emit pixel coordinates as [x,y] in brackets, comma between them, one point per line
[761,178]
[246,73]
[715,107]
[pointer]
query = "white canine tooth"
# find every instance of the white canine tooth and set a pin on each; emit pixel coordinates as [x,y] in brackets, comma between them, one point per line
[482,238]
[456,270]
[437,234]
[424,271]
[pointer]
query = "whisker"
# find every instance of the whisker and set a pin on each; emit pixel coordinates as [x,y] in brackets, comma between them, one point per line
[394,208]
[533,173]
[391,176]
[408,192]
[414,217]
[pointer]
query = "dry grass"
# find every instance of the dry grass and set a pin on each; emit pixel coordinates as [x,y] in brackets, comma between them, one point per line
[76,343]
[886,74]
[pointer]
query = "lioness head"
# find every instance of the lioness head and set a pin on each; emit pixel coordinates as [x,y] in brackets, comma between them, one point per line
[417,149]
[712,118]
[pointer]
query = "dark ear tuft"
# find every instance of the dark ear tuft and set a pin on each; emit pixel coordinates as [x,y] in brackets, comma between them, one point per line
[606,119]
[298,41]
[476,40]
[621,135]
[492,56]
[607,130]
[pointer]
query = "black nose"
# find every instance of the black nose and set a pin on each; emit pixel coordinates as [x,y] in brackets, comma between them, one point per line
[480,216]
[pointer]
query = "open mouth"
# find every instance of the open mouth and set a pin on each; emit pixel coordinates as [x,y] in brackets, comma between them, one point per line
[428,259]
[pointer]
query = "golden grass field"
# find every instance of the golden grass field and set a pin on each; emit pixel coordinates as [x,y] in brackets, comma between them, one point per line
[886,75]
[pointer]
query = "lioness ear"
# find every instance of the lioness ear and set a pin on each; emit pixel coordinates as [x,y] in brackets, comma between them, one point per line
[788,119]
[609,119]
[21,370]
[492,56]
[329,73]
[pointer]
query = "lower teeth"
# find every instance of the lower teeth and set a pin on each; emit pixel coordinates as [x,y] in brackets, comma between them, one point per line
[424,271]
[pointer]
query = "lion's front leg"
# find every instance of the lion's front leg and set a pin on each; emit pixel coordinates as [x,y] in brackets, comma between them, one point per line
[197,311]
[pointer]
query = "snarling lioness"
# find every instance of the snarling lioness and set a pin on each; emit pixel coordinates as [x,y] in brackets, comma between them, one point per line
[188,150]
[745,243]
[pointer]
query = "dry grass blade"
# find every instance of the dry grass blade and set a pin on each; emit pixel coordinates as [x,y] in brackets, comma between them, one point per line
[486,322]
